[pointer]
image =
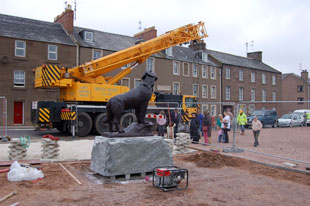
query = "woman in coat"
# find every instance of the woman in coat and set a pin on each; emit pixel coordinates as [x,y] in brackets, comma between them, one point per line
[194,129]
[207,127]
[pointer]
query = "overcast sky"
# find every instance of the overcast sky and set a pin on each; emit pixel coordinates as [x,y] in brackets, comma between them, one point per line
[278,28]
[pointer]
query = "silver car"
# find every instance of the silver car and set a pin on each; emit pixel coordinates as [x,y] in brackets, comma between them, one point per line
[290,120]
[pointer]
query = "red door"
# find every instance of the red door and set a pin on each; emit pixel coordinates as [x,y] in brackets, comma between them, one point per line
[18,112]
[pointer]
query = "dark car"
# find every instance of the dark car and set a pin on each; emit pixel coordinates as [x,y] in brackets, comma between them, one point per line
[267,117]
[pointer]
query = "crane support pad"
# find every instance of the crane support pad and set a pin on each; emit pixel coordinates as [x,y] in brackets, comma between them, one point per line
[50,74]
[44,115]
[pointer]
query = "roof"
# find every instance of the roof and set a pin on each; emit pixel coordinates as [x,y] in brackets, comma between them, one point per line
[231,59]
[294,75]
[29,29]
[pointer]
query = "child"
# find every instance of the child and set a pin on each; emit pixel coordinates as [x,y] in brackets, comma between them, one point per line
[220,135]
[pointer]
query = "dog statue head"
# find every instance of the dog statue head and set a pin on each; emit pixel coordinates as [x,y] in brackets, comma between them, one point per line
[149,79]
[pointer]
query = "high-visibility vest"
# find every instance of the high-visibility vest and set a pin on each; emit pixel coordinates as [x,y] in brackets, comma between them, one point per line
[308,115]
[242,119]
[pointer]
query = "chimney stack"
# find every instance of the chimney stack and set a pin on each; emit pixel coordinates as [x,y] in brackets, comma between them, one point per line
[147,34]
[66,19]
[198,45]
[304,75]
[255,55]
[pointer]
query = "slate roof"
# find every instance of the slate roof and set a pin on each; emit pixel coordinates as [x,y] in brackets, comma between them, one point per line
[230,59]
[294,75]
[29,29]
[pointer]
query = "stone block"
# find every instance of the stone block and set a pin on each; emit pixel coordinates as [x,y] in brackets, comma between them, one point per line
[121,156]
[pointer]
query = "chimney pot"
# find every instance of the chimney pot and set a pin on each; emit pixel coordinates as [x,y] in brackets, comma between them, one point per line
[147,34]
[66,19]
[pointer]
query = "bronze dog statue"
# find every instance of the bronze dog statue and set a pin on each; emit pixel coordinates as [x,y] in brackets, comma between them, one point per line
[136,98]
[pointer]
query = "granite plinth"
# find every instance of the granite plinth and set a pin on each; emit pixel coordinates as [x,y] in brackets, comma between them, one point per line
[120,156]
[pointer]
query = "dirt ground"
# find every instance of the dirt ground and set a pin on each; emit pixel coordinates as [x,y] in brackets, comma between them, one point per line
[214,179]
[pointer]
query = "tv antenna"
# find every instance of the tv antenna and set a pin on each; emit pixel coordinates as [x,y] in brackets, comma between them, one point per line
[140,25]
[75,3]
[246,47]
[252,45]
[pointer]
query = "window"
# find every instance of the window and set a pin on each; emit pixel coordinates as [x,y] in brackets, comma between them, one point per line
[252,76]
[150,65]
[137,82]
[97,54]
[169,51]
[274,96]
[252,94]
[204,90]
[213,110]
[19,78]
[125,66]
[125,82]
[176,68]
[195,72]
[88,36]
[263,95]
[240,93]
[212,73]
[240,75]
[20,48]
[204,72]
[204,107]
[300,100]
[227,93]
[251,108]
[195,90]
[176,87]
[185,69]
[227,73]
[273,79]
[300,88]
[204,57]
[213,92]
[263,78]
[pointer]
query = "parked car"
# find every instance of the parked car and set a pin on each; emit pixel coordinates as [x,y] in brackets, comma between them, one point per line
[267,117]
[290,120]
[301,112]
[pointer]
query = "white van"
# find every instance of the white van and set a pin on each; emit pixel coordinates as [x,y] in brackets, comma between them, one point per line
[301,112]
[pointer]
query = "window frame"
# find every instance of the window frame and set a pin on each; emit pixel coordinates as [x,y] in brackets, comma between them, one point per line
[20,48]
[127,78]
[135,82]
[227,73]
[15,83]
[253,94]
[52,52]
[264,78]
[241,93]
[153,64]
[196,69]
[96,50]
[212,73]
[264,95]
[188,70]
[227,94]
[273,80]
[206,91]
[193,86]
[241,74]
[211,95]
[168,51]
[178,67]
[176,83]
[204,74]
[91,35]
[274,96]
[213,110]
[253,77]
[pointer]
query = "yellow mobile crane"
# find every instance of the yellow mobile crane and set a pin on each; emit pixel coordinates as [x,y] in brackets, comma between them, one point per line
[85,89]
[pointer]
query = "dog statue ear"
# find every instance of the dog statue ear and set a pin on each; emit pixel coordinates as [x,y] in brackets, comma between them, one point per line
[150,74]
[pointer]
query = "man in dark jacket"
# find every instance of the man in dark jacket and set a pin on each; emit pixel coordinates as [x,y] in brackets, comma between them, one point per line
[194,129]
[175,120]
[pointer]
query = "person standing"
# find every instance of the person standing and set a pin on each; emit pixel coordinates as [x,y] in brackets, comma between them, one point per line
[200,117]
[305,116]
[161,124]
[242,120]
[175,121]
[256,127]
[226,127]
[194,129]
[219,129]
[207,127]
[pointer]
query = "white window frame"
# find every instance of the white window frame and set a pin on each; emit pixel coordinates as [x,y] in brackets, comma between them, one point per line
[196,85]
[241,74]
[263,78]
[252,94]
[213,95]
[173,89]
[274,96]
[49,51]
[241,91]
[135,81]
[227,92]
[273,79]
[187,69]
[88,38]
[212,73]
[174,67]
[204,107]
[227,73]
[169,51]
[213,110]
[204,71]
[264,95]
[195,68]
[96,50]
[20,48]
[252,76]
[126,79]
[16,78]
[152,65]
[204,57]
[204,92]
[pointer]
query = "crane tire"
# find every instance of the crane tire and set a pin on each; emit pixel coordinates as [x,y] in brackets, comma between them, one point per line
[99,125]
[85,124]
[127,119]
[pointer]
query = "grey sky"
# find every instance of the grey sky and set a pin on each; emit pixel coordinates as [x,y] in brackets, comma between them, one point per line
[279,28]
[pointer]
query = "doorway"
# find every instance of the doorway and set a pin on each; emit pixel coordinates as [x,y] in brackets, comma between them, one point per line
[18,112]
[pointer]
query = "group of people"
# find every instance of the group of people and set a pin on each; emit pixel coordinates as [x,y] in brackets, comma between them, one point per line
[202,124]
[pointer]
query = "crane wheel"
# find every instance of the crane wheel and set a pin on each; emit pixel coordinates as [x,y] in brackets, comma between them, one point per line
[127,119]
[85,124]
[99,125]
